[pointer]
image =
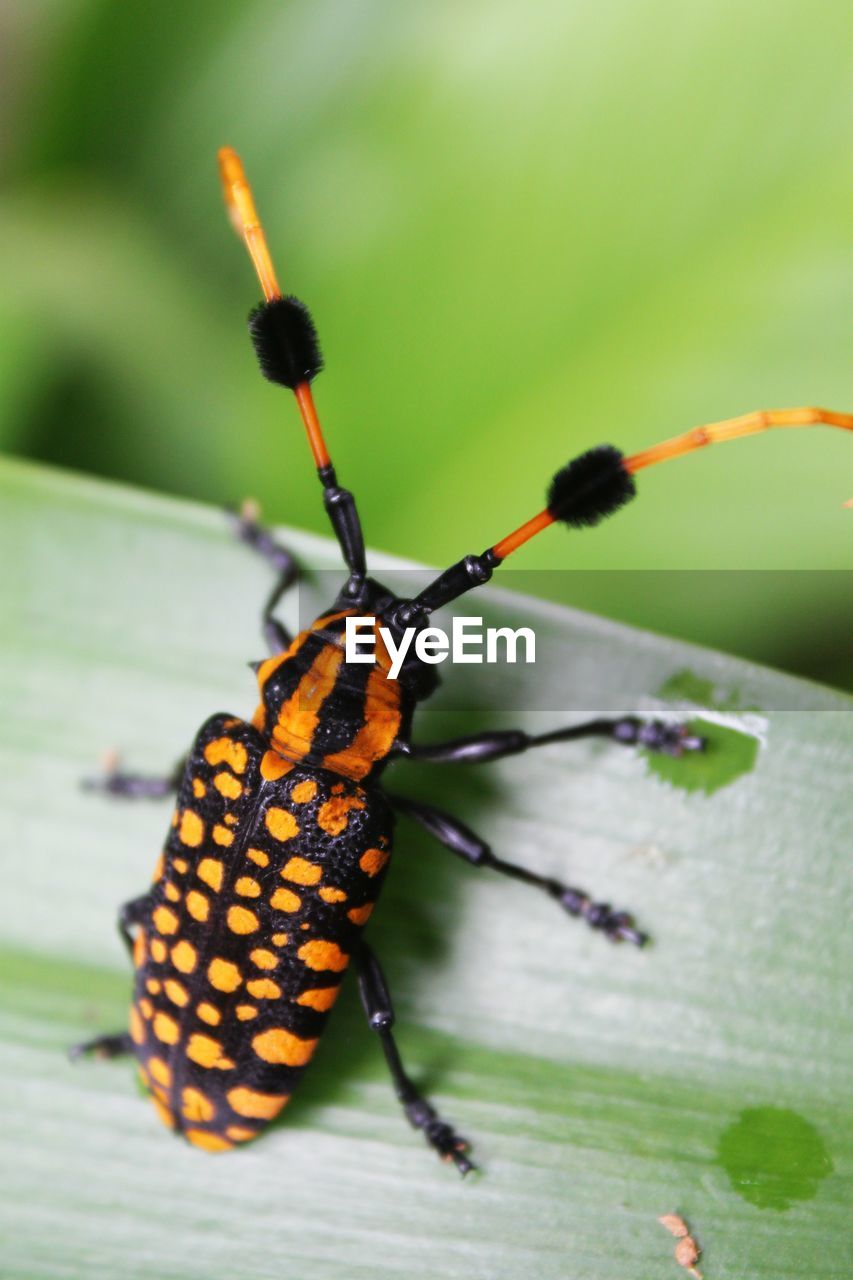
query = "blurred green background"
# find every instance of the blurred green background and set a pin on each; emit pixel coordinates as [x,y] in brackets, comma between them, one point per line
[522,229]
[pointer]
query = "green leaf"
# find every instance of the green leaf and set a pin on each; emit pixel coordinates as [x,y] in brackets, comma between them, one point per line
[601,1086]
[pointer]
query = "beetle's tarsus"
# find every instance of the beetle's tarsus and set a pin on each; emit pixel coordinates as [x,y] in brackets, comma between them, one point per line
[618,926]
[663,736]
[441,1136]
[132,786]
[114,1046]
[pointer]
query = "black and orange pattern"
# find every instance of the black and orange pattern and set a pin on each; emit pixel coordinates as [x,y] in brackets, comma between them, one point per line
[281,835]
[270,872]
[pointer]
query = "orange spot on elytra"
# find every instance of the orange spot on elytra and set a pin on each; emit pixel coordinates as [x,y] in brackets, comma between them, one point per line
[199,789]
[319,998]
[210,871]
[281,824]
[247,887]
[263,989]
[207,1052]
[238,1134]
[242,920]
[263,959]
[305,791]
[284,900]
[301,872]
[207,1141]
[227,785]
[223,836]
[333,816]
[177,992]
[320,955]
[254,1105]
[372,861]
[184,956]
[136,1026]
[245,1012]
[209,1014]
[278,1045]
[198,905]
[160,1071]
[158,950]
[165,1028]
[361,915]
[328,894]
[224,975]
[165,920]
[197,1106]
[191,830]
[225,751]
[258,856]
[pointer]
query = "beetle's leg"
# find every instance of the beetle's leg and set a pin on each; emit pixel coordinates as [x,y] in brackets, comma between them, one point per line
[115,1046]
[130,913]
[656,735]
[421,1115]
[461,840]
[135,786]
[255,535]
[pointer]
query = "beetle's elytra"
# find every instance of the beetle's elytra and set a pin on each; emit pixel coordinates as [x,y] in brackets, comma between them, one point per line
[282,831]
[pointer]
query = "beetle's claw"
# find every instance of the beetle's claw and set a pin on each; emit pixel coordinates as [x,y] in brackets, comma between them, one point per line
[669,739]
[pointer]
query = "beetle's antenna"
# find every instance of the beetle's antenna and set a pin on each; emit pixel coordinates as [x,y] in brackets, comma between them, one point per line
[599,482]
[288,351]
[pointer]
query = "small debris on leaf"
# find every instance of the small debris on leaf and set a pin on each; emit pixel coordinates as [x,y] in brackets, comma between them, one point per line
[686,1254]
[675,1226]
[687,1250]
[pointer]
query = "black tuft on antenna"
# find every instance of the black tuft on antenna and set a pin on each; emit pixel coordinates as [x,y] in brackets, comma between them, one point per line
[590,488]
[285,341]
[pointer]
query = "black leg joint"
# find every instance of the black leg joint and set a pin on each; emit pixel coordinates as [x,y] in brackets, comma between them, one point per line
[341,508]
[450,832]
[470,571]
[479,748]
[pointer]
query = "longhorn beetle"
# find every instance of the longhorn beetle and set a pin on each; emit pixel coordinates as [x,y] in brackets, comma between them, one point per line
[282,832]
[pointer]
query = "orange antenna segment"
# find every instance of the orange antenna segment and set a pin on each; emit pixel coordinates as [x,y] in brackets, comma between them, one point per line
[245,220]
[747,424]
[240,204]
[523,534]
[314,431]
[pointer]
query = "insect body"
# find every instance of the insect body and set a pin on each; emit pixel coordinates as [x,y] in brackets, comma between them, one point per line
[270,872]
[282,831]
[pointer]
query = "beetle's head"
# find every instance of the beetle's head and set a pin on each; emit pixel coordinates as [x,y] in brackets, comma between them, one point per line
[393,617]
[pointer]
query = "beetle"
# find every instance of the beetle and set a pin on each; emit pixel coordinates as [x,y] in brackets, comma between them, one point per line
[282,831]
